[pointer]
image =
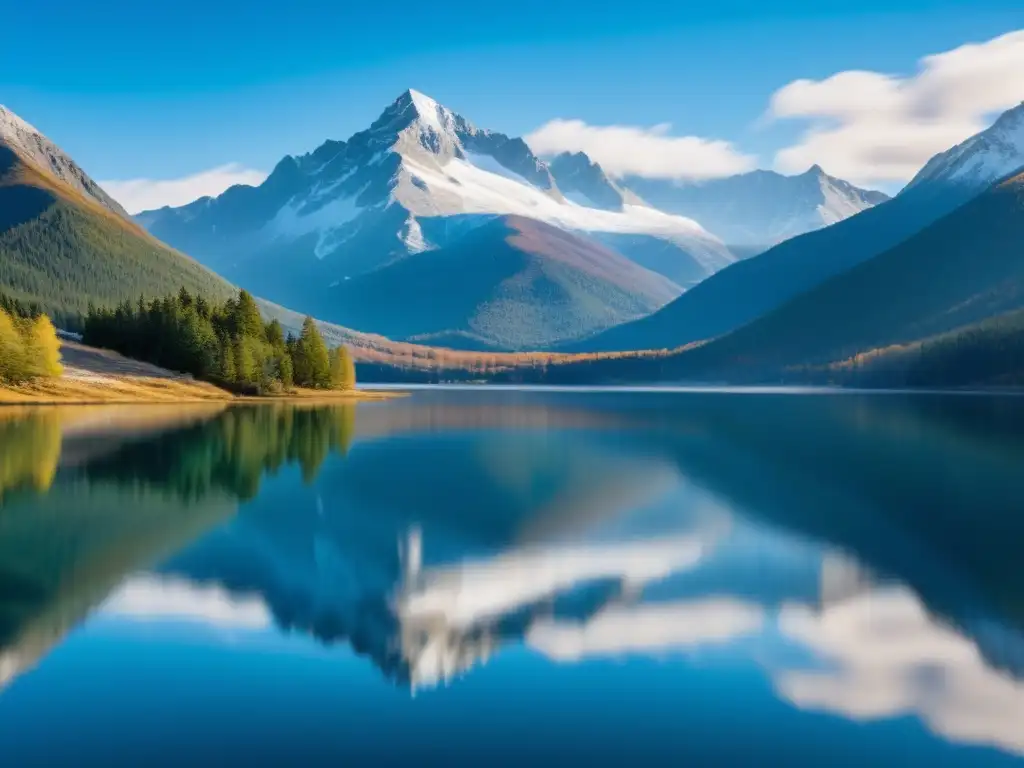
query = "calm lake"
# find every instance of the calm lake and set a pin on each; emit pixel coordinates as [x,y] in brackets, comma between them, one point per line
[510,577]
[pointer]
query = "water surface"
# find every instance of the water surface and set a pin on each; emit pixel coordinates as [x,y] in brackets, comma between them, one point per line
[512,577]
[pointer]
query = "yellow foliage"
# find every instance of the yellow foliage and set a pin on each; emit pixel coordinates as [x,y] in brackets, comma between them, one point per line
[29,349]
[43,348]
[12,351]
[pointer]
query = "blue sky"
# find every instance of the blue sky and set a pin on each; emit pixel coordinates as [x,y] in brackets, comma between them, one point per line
[134,91]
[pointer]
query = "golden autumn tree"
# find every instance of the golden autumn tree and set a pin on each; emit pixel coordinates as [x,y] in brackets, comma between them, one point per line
[42,348]
[12,350]
[343,369]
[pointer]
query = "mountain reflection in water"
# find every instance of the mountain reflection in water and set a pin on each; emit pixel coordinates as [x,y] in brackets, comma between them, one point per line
[859,551]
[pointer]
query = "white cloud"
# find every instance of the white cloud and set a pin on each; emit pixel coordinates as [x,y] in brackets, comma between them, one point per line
[147,194]
[871,127]
[634,150]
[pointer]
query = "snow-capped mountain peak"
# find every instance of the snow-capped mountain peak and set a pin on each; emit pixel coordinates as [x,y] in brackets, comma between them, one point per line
[432,113]
[13,128]
[980,160]
[420,164]
[28,143]
[422,177]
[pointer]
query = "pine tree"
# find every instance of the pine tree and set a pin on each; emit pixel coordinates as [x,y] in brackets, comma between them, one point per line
[245,362]
[202,308]
[226,358]
[275,335]
[247,316]
[311,359]
[285,371]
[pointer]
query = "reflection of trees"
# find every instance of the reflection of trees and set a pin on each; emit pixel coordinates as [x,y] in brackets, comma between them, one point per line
[62,553]
[29,451]
[233,451]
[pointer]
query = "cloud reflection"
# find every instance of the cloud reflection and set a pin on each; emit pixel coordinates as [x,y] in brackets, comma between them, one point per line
[152,598]
[888,657]
[657,628]
[452,618]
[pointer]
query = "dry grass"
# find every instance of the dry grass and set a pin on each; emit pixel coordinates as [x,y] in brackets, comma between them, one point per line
[126,389]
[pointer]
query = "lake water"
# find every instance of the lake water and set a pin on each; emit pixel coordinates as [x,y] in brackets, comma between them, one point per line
[500,577]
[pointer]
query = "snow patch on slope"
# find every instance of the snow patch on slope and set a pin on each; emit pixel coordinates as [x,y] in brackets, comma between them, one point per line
[474,190]
[837,205]
[291,222]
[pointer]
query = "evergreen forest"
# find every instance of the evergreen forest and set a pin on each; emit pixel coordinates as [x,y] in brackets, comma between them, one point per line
[227,343]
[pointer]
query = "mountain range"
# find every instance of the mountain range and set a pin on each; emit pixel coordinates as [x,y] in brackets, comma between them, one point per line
[751,288]
[753,211]
[962,269]
[423,183]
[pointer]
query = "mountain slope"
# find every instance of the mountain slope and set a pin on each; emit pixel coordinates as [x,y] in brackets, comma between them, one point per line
[63,246]
[964,268]
[748,289]
[753,211]
[515,283]
[418,179]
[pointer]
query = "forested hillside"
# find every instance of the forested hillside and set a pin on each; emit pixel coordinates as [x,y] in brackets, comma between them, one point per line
[63,250]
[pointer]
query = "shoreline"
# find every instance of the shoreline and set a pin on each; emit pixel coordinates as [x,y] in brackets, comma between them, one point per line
[318,399]
[162,392]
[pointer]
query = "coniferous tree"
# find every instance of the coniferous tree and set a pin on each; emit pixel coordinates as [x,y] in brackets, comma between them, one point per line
[311,358]
[275,335]
[247,316]
[227,343]
[226,360]
[285,370]
[245,361]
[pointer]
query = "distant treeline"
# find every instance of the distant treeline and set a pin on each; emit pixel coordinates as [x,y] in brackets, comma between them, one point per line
[29,348]
[227,344]
[985,354]
[990,353]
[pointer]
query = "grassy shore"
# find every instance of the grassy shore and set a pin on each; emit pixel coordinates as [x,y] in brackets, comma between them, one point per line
[96,376]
